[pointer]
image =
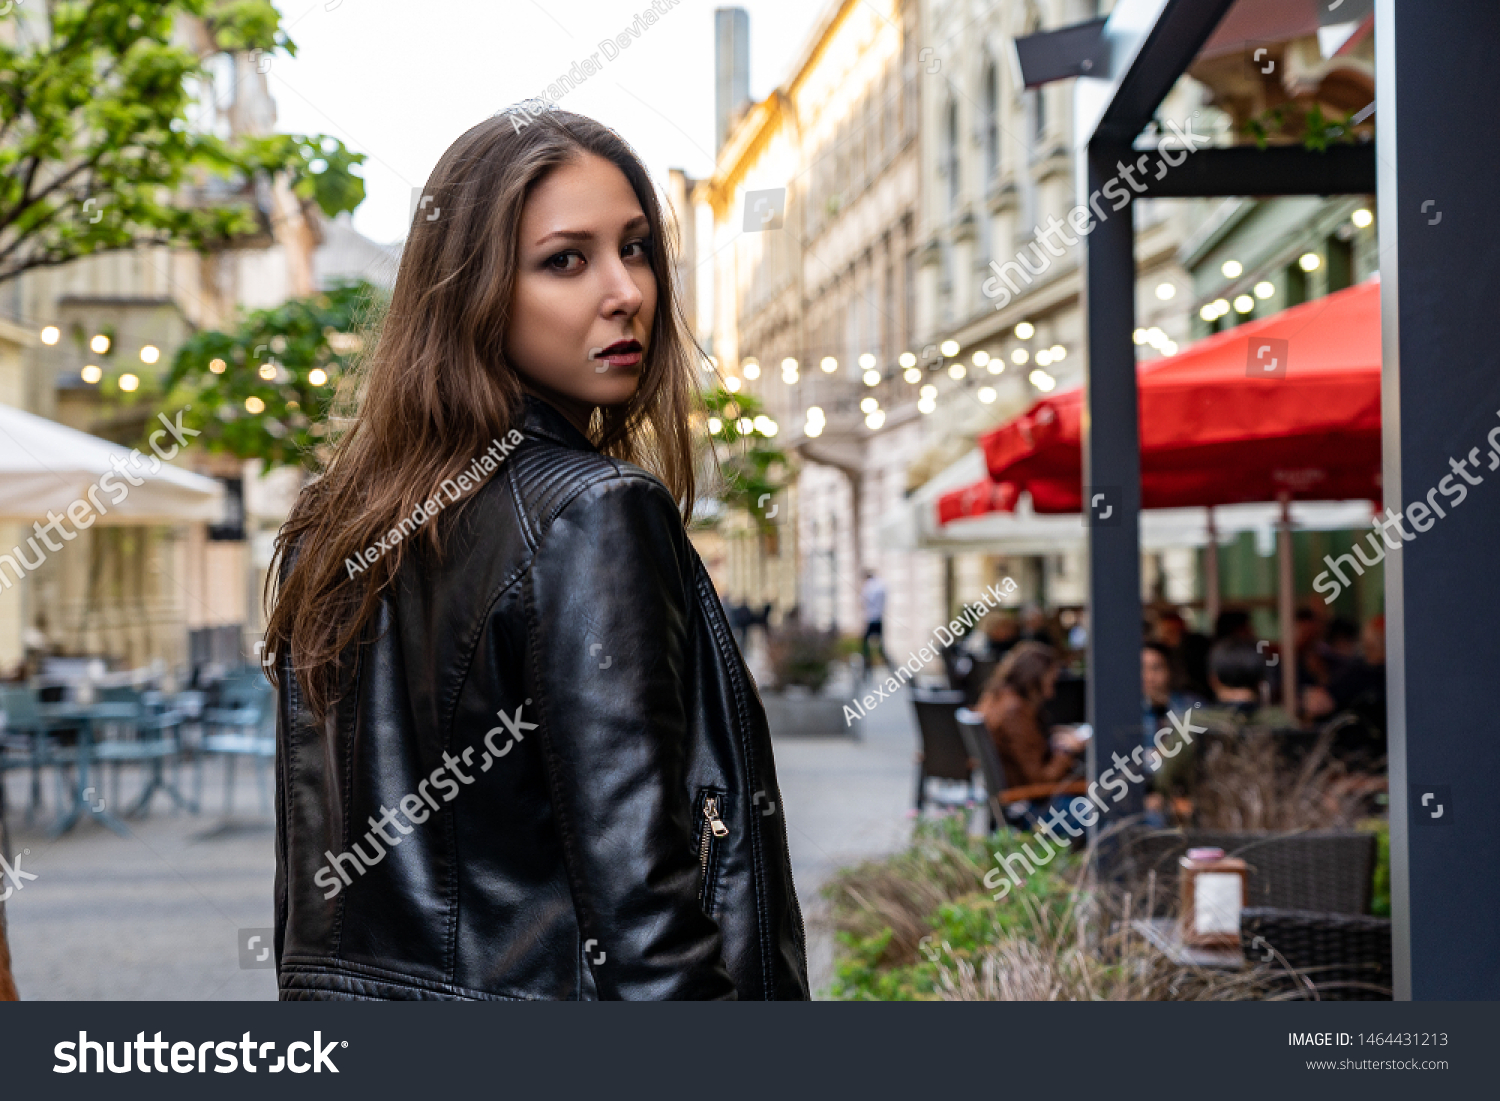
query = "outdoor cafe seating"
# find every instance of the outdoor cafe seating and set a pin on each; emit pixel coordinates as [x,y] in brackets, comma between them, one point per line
[87,733]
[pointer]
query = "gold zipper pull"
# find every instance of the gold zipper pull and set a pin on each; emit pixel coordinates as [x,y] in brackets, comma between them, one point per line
[711,812]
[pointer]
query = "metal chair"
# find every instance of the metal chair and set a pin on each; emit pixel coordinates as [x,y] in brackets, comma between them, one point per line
[22,743]
[139,733]
[942,755]
[240,724]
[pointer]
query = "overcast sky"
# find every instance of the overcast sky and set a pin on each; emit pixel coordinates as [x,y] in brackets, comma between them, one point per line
[400,81]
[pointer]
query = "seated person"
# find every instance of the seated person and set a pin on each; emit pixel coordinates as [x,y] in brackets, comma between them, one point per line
[1000,634]
[1236,675]
[1187,653]
[1360,686]
[1011,704]
[1157,700]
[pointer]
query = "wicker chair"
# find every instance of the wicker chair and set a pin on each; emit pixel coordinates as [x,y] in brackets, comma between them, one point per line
[1324,871]
[1342,957]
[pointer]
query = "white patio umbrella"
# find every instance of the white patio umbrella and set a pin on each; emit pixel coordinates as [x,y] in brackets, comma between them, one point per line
[46,466]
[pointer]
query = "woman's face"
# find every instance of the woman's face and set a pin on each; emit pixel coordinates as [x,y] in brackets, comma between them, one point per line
[585,293]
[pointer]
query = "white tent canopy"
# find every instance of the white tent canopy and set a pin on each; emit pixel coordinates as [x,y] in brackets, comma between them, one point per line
[46,466]
[913,524]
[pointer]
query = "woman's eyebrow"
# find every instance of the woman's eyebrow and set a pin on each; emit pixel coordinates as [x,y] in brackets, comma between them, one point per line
[586,234]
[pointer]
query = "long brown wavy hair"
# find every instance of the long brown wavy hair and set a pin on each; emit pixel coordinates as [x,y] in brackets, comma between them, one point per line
[434,388]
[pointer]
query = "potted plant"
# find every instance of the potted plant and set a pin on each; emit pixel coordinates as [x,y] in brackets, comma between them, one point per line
[800,657]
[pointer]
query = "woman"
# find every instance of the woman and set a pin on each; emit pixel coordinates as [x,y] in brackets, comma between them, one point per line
[1011,705]
[519,755]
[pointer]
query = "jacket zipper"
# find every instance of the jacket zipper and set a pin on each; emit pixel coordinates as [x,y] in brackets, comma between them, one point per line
[713,826]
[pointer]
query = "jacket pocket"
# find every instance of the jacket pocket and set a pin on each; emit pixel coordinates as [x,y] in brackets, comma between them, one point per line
[712,829]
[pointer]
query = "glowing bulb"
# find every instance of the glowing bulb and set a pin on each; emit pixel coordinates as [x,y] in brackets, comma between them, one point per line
[813,428]
[1309,261]
[750,369]
[715,426]
[732,384]
[1139,336]
[253,404]
[1165,291]
[317,376]
[744,426]
[1244,303]
[875,419]
[789,364]
[815,413]
[1042,381]
[1044,358]
[99,344]
[980,358]
[1208,313]
[51,334]
[1264,289]
[1362,218]
[949,348]
[868,405]
[867,361]
[986,394]
[928,392]
[267,371]
[907,359]
[1019,356]
[129,383]
[789,377]
[1169,348]
[91,374]
[216,366]
[1025,330]
[150,353]
[1221,306]
[829,364]
[1232,269]
[1058,352]
[956,371]
[926,405]
[996,366]
[872,378]
[912,375]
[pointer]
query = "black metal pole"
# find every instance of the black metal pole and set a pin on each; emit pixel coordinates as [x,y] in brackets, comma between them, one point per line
[1112,486]
[1440,273]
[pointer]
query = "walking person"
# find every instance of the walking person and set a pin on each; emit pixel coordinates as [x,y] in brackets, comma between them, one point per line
[518,753]
[873,598]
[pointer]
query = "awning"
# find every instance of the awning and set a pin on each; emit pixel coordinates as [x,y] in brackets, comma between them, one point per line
[49,467]
[1288,405]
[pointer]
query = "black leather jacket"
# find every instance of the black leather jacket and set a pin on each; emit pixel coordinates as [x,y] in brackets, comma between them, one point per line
[552,777]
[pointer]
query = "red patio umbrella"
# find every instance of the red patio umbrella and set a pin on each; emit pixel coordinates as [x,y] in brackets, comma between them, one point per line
[1285,406]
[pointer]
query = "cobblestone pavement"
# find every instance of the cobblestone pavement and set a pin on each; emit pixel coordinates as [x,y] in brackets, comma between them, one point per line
[158,915]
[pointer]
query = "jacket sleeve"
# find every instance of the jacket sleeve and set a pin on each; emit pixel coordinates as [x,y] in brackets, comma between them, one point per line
[607,616]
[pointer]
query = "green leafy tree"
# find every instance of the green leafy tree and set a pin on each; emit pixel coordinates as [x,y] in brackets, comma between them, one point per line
[754,471]
[96,150]
[264,391]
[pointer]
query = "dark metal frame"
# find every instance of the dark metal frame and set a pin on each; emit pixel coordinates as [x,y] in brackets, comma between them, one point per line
[1445,941]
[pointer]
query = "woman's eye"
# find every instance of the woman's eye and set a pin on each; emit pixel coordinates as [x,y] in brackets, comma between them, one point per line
[560,262]
[642,245]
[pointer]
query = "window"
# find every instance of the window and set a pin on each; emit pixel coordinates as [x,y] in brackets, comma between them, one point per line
[950,166]
[991,121]
[1038,118]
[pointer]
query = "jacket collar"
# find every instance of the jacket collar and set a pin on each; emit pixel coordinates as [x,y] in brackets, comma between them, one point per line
[541,419]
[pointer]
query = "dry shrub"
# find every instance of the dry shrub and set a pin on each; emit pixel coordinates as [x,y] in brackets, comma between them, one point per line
[1246,785]
[1088,950]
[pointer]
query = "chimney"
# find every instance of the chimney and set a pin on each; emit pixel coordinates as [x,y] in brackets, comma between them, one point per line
[731,70]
